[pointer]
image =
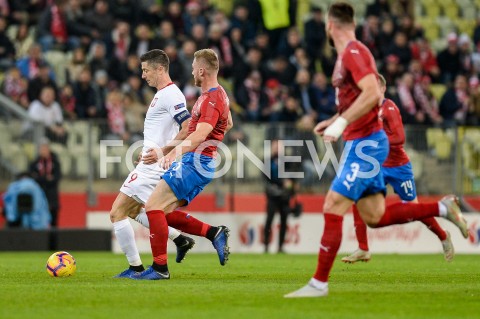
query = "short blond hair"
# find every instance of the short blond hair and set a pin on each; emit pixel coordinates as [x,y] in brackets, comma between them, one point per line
[382,80]
[209,57]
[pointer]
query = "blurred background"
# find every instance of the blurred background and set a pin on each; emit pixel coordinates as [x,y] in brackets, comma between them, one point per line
[70,77]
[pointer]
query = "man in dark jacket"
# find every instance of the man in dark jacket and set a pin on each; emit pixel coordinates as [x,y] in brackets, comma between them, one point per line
[46,171]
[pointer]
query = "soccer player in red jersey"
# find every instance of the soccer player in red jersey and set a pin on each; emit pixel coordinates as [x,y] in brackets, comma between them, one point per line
[397,171]
[186,177]
[360,179]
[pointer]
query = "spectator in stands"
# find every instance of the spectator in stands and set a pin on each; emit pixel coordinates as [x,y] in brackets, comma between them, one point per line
[26,11]
[290,112]
[143,41]
[15,87]
[454,105]
[220,43]
[301,60]
[304,92]
[292,42]
[473,116]
[134,116]
[54,31]
[125,10]
[449,60]
[369,33]
[378,8]
[77,22]
[67,102]
[262,42]
[46,171]
[392,72]
[100,87]
[29,65]
[239,50]
[476,32]
[324,96]
[426,101]
[281,69]
[407,26]
[116,116]
[278,191]
[384,39]
[25,204]
[315,36]
[185,56]
[240,20]
[43,79]
[85,102]
[275,93]
[177,73]
[465,53]
[77,63]
[100,18]
[48,112]
[251,98]
[244,65]
[174,16]
[97,57]
[7,50]
[167,34]
[277,16]
[193,16]
[401,49]
[118,41]
[199,35]
[422,51]
[402,8]
[22,40]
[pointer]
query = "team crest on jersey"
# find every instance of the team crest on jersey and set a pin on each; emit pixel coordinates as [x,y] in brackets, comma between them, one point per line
[179,106]
[154,101]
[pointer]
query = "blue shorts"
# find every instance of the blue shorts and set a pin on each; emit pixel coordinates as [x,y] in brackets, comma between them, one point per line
[402,180]
[190,175]
[360,171]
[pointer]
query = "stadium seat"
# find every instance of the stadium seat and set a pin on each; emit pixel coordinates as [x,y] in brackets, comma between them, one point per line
[64,157]
[434,134]
[438,90]
[451,10]
[443,148]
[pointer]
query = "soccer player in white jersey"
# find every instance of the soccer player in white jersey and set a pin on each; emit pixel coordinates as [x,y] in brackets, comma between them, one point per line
[166,123]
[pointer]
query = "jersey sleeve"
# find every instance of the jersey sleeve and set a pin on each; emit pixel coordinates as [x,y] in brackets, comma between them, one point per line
[210,111]
[359,61]
[177,107]
[393,120]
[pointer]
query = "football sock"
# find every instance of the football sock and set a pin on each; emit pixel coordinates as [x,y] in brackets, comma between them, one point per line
[158,236]
[173,233]
[329,244]
[401,213]
[137,268]
[435,227]
[360,230]
[126,239]
[142,218]
[187,223]
[318,284]
[160,268]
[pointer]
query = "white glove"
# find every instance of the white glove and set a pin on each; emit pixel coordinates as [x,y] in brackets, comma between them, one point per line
[336,128]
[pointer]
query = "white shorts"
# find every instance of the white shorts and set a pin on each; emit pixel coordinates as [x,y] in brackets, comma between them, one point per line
[141,182]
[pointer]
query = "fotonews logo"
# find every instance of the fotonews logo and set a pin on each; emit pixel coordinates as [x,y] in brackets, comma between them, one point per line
[247,234]
[474,234]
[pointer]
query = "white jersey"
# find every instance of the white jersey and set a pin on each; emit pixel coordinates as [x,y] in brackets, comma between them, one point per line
[167,109]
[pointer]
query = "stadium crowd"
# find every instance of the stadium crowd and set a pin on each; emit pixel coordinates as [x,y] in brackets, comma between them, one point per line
[79,59]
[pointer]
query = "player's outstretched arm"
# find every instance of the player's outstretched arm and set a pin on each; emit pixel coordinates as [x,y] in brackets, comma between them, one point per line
[190,143]
[182,135]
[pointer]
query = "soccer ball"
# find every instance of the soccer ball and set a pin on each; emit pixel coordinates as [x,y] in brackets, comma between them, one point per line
[61,264]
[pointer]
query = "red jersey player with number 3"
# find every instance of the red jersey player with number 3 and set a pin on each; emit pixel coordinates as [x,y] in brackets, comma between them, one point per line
[186,178]
[359,179]
[397,171]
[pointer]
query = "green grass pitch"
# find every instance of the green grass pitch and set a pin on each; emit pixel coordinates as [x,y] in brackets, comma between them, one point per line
[250,286]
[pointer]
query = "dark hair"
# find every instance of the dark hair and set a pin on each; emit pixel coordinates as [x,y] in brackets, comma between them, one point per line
[156,57]
[342,12]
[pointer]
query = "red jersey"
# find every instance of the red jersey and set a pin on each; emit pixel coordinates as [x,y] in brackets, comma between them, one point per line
[392,124]
[352,65]
[212,107]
